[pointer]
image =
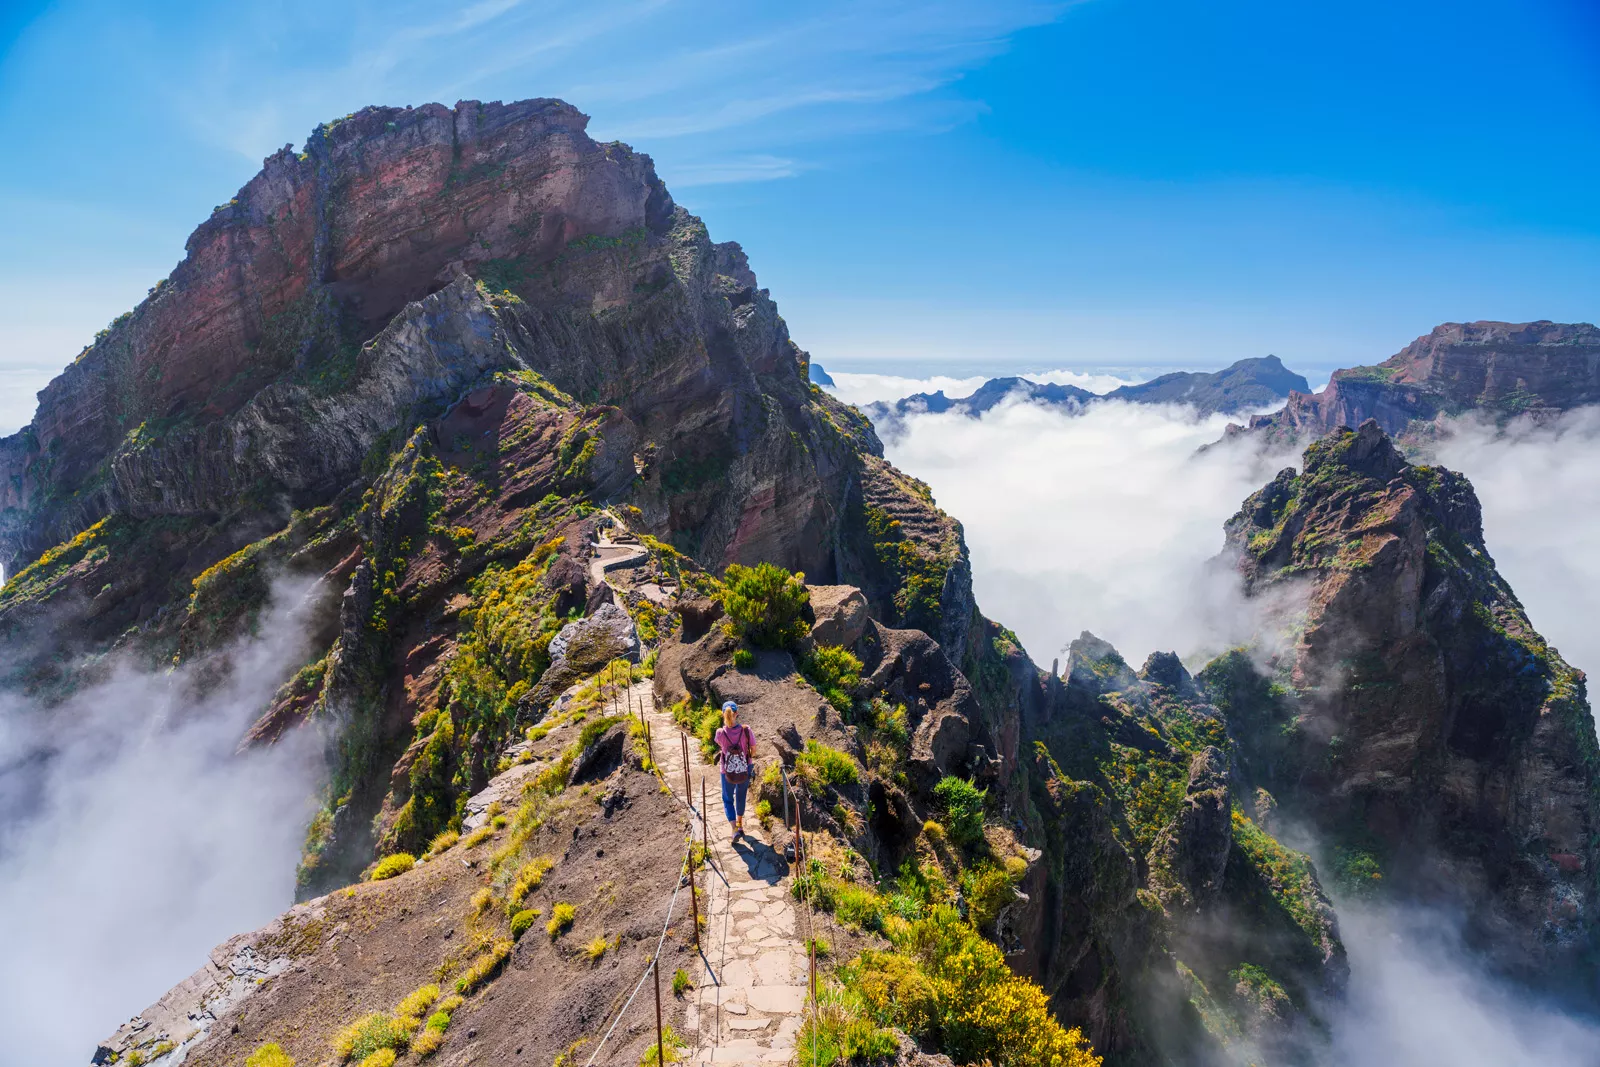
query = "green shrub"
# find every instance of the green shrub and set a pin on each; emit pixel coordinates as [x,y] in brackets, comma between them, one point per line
[988,888]
[269,1055]
[560,920]
[484,967]
[672,1046]
[743,657]
[835,673]
[946,983]
[826,765]
[963,803]
[529,877]
[384,1057]
[522,921]
[858,907]
[442,841]
[840,1030]
[369,1034]
[417,1002]
[390,866]
[680,983]
[765,604]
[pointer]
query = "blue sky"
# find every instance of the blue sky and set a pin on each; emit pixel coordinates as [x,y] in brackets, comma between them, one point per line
[937,186]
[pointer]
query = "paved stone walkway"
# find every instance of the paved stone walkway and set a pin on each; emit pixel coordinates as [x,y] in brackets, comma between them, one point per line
[750,992]
[750,985]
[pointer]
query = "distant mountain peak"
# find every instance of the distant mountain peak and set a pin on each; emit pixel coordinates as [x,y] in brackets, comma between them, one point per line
[1245,385]
[1501,368]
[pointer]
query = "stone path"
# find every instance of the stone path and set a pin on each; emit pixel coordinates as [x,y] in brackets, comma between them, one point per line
[750,984]
[750,992]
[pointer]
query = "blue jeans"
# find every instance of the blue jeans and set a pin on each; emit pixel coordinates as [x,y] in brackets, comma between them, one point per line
[733,798]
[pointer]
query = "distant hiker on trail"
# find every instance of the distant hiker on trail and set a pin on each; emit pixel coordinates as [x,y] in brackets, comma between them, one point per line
[736,746]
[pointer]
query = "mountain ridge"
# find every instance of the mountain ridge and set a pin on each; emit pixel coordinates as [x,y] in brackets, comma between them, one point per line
[464,481]
[1503,369]
[1246,383]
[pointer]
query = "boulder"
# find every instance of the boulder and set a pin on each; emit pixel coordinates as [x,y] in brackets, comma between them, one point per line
[841,614]
[589,644]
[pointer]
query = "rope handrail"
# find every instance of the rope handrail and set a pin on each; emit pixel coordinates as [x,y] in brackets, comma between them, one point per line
[655,960]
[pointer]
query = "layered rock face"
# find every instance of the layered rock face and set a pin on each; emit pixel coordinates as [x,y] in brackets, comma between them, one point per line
[1426,727]
[406,256]
[314,255]
[1500,368]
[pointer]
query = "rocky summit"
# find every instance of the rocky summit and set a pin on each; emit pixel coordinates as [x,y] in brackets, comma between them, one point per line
[1501,369]
[562,486]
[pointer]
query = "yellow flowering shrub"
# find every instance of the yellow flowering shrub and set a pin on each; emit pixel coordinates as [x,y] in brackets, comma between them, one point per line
[946,982]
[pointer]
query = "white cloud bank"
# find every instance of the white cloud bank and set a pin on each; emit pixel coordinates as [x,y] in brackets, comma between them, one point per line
[1102,521]
[1540,489]
[133,839]
[1418,998]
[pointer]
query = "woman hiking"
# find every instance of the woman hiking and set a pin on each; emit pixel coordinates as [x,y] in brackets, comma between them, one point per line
[736,745]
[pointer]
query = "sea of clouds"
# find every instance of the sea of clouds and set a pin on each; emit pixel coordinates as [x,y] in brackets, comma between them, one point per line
[134,838]
[1105,521]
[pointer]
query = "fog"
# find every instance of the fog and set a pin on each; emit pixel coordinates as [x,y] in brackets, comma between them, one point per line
[133,840]
[1102,521]
[1539,484]
[1105,521]
[1419,999]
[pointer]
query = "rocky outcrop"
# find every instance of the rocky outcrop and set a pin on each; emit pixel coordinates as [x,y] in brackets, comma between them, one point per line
[988,395]
[313,256]
[841,614]
[1434,733]
[1249,383]
[581,648]
[389,274]
[1502,369]
[1195,847]
[186,1014]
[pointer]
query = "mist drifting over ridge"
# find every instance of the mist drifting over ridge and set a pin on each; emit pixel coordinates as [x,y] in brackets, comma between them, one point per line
[1106,521]
[134,837]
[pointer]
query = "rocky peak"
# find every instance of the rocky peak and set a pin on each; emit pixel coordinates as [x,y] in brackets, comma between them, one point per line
[1418,693]
[1249,383]
[1501,368]
[310,260]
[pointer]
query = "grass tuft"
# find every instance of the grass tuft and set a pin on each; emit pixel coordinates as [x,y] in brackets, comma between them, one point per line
[269,1055]
[391,866]
[522,921]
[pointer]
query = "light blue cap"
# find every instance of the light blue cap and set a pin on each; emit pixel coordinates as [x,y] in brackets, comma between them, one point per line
[730,706]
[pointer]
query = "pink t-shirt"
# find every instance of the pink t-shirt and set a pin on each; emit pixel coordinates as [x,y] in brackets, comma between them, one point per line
[740,739]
